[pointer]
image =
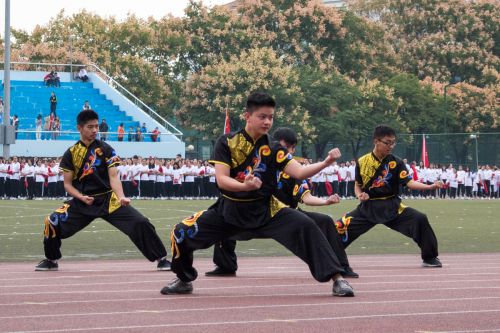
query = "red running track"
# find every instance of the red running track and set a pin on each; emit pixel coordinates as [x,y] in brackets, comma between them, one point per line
[394,294]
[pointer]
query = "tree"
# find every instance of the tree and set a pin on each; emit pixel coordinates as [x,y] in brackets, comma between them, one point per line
[440,38]
[419,107]
[225,86]
[326,93]
[373,104]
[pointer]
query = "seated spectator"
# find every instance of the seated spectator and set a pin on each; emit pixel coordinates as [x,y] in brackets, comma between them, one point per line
[103,129]
[56,80]
[48,79]
[82,75]
[86,106]
[155,134]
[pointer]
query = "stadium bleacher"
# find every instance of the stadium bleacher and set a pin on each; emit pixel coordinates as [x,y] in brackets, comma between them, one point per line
[31,98]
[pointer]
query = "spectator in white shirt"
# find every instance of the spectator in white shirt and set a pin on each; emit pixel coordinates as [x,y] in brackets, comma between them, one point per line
[83,75]
[177,177]
[53,177]
[461,182]
[15,173]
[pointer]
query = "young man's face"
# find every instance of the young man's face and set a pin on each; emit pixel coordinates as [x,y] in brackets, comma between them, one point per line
[385,145]
[89,130]
[261,120]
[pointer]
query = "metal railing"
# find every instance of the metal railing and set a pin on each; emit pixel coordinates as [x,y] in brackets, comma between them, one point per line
[108,136]
[171,129]
[137,102]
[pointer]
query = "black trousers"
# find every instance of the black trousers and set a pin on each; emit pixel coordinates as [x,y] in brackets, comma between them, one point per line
[60,191]
[335,187]
[410,223]
[31,187]
[188,189]
[291,228]
[75,215]
[2,187]
[134,188]
[160,190]
[39,189]
[169,191]
[197,187]
[225,255]
[23,190]
[350,189]
[14,188]
[125,185]
[144,185]
[177,190]
[52,189]
[343,188]
[468,191]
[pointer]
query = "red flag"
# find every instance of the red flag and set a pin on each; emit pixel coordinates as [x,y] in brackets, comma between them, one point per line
[227,127]
[425,157]
[328,187]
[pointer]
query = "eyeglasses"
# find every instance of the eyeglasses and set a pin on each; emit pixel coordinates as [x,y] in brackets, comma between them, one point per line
[388,143]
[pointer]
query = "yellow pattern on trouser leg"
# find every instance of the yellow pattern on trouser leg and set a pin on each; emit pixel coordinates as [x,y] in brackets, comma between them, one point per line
[49,231]
[174,248]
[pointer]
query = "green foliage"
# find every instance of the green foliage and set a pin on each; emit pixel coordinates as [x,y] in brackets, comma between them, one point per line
[335,73]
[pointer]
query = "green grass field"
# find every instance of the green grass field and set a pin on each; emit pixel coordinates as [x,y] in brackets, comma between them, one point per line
[460,225]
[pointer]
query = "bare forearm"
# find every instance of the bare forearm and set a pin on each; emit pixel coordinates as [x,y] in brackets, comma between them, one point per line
[357,190]
[311,200]
[72,191]
[116,186]
[297,171]
[412,185]
[229,184]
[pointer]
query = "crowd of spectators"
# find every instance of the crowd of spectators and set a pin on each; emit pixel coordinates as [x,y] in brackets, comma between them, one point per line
[185,179]
[458,182]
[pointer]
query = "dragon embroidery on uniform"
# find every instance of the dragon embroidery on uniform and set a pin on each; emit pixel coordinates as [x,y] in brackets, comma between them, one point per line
[92,163]
[383,179]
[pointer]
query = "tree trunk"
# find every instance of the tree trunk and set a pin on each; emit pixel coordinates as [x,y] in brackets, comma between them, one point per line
[319,148]
[355,147]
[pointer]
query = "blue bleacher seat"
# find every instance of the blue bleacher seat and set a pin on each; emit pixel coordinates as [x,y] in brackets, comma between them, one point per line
[31,98]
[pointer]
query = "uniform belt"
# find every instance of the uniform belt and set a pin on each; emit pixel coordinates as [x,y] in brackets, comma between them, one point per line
[98,194]
[243,200]
[382,198]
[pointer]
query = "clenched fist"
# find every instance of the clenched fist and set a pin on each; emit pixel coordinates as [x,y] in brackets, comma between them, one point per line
[333,155]
[252,183]
[363,196]
[333,199]
[88,200]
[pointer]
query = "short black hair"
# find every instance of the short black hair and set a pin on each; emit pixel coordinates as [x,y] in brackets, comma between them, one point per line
[257,100]
[382,131]
[86,116]
[286,134]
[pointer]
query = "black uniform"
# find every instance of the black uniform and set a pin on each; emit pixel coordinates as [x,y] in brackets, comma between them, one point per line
[381,180]
[90,169]
[258,211]
[290,192]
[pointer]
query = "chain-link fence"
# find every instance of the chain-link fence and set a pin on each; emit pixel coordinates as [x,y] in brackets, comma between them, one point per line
[464,149]
[458,148]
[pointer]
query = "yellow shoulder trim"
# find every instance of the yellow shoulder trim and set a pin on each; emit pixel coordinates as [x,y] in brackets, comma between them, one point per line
[218,162]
